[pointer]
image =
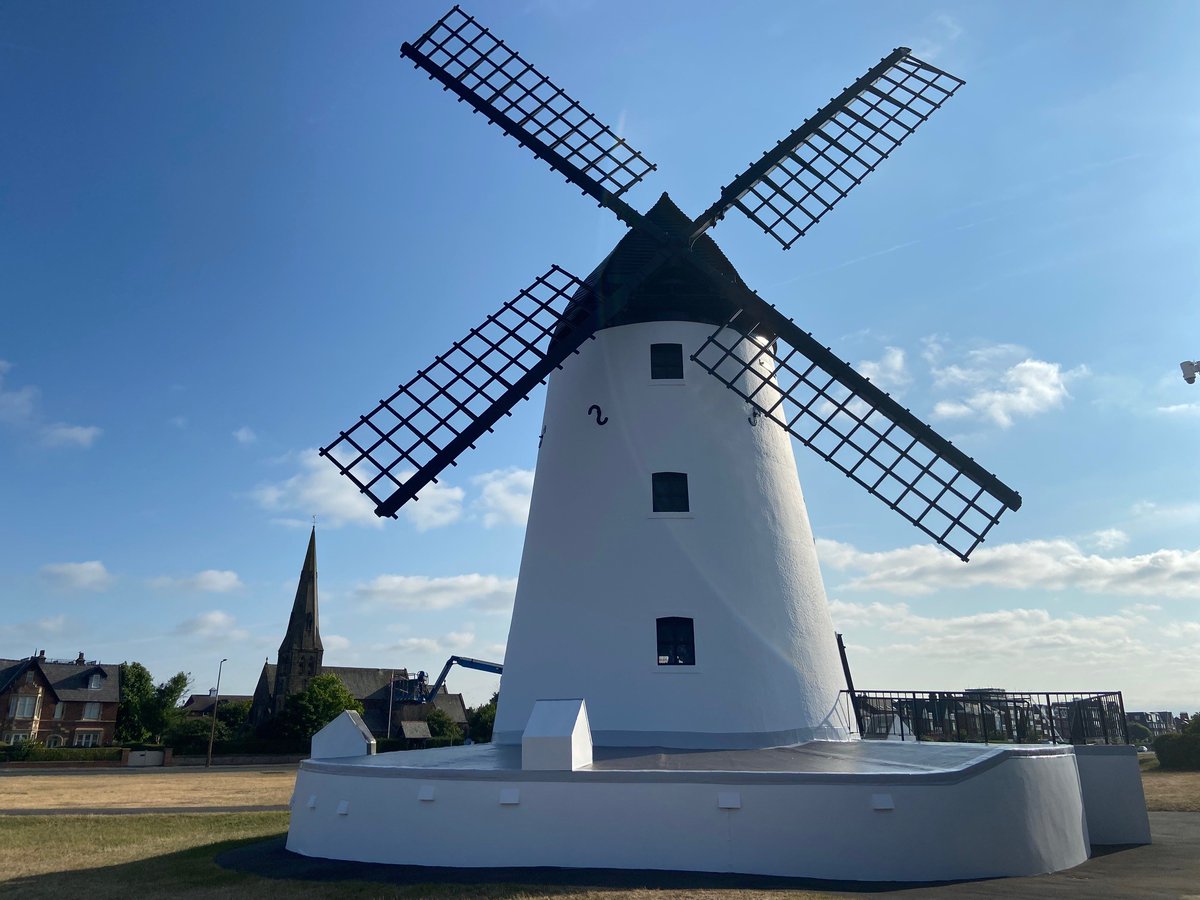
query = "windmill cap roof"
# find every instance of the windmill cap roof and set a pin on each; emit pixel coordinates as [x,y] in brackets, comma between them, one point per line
[677,292]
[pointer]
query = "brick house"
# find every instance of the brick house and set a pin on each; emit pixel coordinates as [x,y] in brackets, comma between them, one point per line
[61,703]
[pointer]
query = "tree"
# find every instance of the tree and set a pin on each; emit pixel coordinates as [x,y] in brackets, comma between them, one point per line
[233,714]
[190,735]
[306,713]
[442,726]
[481,719]
[146,711]
[1139,733]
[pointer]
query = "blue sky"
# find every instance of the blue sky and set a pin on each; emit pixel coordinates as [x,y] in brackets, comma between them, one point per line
[227,230]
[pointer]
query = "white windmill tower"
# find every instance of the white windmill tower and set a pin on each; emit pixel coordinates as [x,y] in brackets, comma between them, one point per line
[668,559]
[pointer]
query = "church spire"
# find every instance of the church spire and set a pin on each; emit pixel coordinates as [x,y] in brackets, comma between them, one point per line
[304,631]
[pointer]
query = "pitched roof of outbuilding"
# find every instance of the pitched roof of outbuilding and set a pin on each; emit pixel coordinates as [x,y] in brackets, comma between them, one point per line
[415,730]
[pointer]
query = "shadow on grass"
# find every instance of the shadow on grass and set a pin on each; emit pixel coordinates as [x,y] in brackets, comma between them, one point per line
[272,860]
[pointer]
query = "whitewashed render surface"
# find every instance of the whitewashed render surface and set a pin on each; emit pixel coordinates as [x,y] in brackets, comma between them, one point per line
[599,567]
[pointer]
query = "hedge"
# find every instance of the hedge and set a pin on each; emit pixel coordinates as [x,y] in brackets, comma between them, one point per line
[1178,751]
[36,753]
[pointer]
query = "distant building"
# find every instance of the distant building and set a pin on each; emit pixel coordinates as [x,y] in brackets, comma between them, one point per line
[1157,722]
[61,703]
[199,706]
[384,693]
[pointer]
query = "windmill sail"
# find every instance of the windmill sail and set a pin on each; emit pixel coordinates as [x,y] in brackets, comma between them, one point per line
[404,442]
[807,173]
[825,404]
[482,70]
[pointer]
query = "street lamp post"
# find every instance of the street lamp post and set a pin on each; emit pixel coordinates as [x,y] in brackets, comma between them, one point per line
[216,699]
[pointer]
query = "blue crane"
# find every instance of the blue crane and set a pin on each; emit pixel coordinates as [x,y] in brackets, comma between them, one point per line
[426,696]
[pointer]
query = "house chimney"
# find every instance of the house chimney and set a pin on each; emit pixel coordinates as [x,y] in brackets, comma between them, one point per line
[41,655]
[79,659]
[212,692]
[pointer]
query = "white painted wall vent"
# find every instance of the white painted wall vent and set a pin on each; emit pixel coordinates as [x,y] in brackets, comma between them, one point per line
[510,796]
[425,792]
[882,802]
[343,808]
[729,800]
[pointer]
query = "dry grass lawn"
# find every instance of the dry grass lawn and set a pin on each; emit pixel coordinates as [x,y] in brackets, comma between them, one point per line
[173,856]
[1171,791]
[147,789]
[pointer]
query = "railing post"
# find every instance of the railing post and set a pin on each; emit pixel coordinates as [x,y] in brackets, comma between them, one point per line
[916,725]
[1050,719]
[983,722]
[1124,721]
[897,715]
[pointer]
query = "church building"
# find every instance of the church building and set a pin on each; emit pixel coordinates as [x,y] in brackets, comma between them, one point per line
[384,693]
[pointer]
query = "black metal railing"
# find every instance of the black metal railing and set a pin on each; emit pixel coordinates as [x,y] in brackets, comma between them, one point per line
[988,716]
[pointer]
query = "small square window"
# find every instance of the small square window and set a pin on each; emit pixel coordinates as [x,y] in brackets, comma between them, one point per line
[666,361]
[676,641]
[670,492]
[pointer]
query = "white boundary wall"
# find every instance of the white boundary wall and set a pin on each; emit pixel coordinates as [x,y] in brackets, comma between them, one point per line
[1014,815]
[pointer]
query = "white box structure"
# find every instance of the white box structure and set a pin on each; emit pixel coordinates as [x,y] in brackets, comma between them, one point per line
[347,735]
[557,736]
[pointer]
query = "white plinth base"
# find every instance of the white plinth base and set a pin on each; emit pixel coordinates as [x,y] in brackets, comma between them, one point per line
[860,811]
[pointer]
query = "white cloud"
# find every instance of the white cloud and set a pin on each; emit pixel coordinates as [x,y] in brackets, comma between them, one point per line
[1108,539]
[459,640]
[941,30]
[19,408]
[34,630]
[60,435]
[421,592]
[1171,515]
[436,506]
[1030,387]
[1047,564]
[504,496]
[1005,634]
[216,581]
[84,576]
[213,625]
[245,435]
[889,372]
[318,489]
[335,642]
[417,645]
[1180,409]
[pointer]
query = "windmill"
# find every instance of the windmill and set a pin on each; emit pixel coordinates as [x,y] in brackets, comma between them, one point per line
[667,533]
